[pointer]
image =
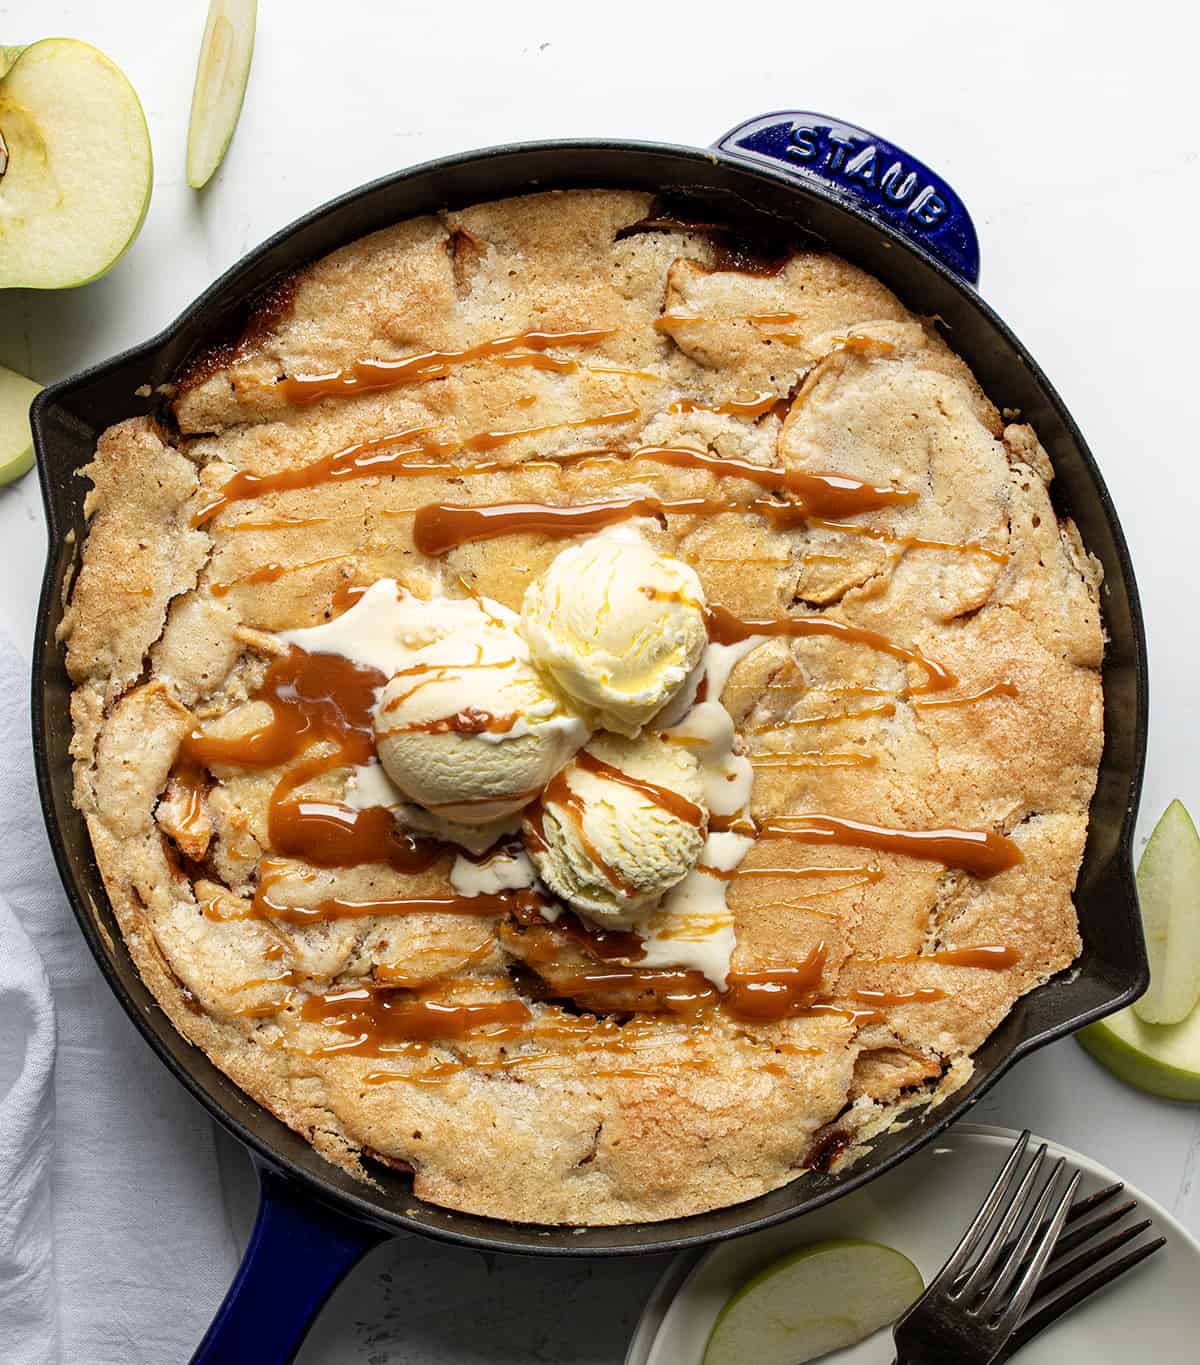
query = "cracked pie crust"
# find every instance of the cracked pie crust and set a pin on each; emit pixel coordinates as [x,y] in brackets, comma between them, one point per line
[449,404]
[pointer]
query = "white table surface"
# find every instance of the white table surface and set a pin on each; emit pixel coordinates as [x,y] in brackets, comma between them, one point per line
[1072,138]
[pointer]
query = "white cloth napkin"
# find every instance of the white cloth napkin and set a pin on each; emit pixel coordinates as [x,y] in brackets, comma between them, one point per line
[115,1244]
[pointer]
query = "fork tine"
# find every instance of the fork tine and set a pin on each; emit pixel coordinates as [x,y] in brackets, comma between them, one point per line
[1033,1227]
[1072,1237]
[1073,1297]
[970,1239]
[1093,1201]
[1058,1275]
[1041,1251]
[1016,1207]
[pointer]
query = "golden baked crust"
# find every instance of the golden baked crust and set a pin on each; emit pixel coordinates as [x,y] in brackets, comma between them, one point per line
[650,1117]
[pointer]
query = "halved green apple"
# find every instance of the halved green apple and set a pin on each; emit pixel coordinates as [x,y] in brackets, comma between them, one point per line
[1155,1044]
[1168,881]
[819,1299]
[1162,1059]
[221,76]
[75,164]
[16,439]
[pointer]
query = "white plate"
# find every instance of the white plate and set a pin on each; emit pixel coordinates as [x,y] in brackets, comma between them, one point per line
[922,1207]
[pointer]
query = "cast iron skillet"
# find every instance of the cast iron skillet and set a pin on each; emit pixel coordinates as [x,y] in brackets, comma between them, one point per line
[872,203]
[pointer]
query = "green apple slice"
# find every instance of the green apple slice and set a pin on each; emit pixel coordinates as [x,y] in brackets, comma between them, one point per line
[1169,891]
[1163,1059]
[221,76]
[819,1299]
[16,439]
[77,167]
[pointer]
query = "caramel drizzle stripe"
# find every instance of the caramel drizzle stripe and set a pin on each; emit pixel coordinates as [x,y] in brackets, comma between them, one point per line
[439,528]
[671,801]
[372,376]
[984,957]
[727,629]
[812,758]
[830,718]
[910,542]
[758,406]
[392,456]
[982,853]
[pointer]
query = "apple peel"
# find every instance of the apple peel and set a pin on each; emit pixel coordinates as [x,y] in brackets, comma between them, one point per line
[16,439]
[222,73]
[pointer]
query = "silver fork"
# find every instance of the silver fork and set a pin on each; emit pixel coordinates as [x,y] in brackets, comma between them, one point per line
[974,1311]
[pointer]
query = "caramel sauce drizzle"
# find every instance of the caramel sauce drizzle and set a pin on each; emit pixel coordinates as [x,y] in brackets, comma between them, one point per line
[381,1018]
[828,495]
[318,699]
[861,344]
[371,376]
[327,834]
[676,595]
[764,995]
[758,406]
[982,853]
[663,989]
[364,460]
[800,909]
[812,758]
[919,995]
[857,341]
[277,524]
[673,802]
[271,572]
[987,957]
[830,718]
[336,908]
[439,528]
[391,456]
[560,365]
[560,793]
[863,876]
[606,945]
[538,360]
[492,440]
[778,992]
[726,629]
[1000,689]
[962,547]
[469,721]
[603,1054]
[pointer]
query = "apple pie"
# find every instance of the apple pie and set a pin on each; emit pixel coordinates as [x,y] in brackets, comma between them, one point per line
[591,713]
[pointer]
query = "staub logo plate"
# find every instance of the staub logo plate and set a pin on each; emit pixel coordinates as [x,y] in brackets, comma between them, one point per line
[877,176]
[866,162]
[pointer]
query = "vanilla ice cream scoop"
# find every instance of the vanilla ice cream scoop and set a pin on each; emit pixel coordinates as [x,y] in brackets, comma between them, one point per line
[468,729]
[617,626]
[618,827]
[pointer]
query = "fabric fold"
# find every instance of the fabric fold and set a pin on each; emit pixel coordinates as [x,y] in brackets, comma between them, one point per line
[28,1303]
[115,1248]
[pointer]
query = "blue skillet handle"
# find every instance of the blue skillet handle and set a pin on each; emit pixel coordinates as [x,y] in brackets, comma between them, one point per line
[298,1252]
[869,172]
